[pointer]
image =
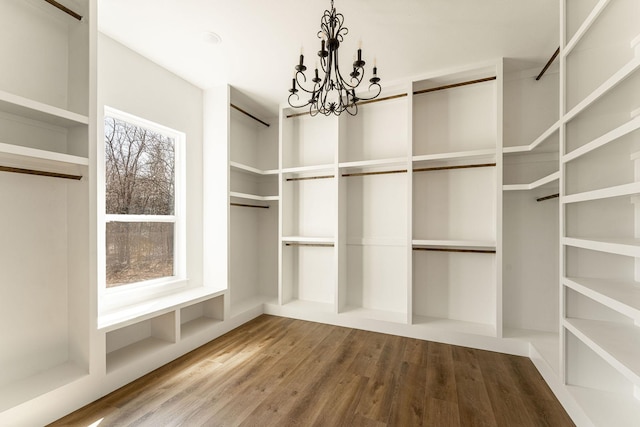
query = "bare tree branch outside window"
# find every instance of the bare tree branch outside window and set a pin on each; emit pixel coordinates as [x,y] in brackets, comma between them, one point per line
[140,180]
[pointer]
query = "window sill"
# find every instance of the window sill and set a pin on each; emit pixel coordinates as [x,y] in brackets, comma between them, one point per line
[124,316]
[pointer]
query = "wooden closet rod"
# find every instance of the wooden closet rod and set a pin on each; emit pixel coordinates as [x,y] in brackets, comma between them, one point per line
[317,245]
[65,9]
[250,115]
[553,196]
[374,173]
[440,168]
[469,82]
[249,206]
[548,64]
[304,178]
[475,251]
[371,101]
[40,173]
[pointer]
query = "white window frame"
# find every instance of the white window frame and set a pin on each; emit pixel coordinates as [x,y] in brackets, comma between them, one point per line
[119,296]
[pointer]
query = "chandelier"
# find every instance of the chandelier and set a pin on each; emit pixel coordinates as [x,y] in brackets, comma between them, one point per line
[332,94]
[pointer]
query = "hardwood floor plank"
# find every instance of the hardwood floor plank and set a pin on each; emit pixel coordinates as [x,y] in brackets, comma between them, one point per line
[441,380]
[276,371]
[474,405]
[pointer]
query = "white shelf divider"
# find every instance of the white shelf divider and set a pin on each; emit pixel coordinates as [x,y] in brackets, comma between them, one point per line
[616,343]
[18,105]
[603,140]
[539,183]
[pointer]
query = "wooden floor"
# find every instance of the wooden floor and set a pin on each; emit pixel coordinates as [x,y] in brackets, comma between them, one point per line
[277,371]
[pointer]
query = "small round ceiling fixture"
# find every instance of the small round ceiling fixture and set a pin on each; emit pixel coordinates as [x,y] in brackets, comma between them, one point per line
[211,37]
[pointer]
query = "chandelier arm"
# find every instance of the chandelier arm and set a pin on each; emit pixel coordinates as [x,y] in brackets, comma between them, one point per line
[378,87]
[300,86]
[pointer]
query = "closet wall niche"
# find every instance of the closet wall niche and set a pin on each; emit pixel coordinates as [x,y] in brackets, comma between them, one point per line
[45,124]
[254,204]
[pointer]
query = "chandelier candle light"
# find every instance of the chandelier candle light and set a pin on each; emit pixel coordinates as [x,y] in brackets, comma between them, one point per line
[333,94]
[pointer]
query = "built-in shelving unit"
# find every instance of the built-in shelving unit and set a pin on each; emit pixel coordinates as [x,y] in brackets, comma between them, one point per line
[254,204]
[45,122]
[600,332]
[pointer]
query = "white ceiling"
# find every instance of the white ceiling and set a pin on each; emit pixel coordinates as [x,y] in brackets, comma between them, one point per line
[262,39]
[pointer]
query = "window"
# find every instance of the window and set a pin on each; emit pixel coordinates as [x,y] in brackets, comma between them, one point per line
[143,221]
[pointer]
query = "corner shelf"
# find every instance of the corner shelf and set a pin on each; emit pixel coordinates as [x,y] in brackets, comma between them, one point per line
[255,197]
[445,325]
[304,169]
[537,142]
[250,169]
[606,408]
[536,184]
[487,153]
[584,28]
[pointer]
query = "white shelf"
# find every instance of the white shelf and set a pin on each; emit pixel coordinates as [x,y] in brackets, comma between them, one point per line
[605,139]
[456,155]
[457,244]
[20,106]
[301,239]
[584,28]
[536,184]
[443,325]
[604,193]
[246,168]
[28,388]
[617,343]
[373,314]
[304,169]
[253,197]
[18,153]
[363,164]
[628,247]
[606,409]
[539,140]
[627,70]
[623,297]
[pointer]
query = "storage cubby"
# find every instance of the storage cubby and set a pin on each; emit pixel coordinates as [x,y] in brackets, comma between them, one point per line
[379,132]
[309,274]
[254,196]
[132,343]
[455,290]
[199,317]
[455,202]
[450,116]
[309,204]
[308,141]
[373,243]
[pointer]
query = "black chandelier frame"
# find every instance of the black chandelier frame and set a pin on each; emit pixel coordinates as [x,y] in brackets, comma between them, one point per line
[333,94]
